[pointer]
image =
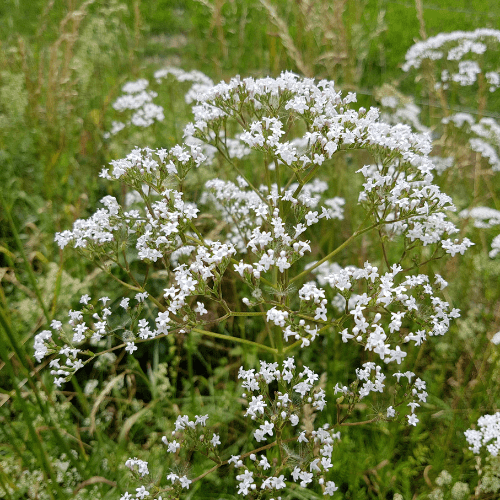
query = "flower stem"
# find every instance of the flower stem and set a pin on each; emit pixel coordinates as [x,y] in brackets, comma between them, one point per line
[235,339]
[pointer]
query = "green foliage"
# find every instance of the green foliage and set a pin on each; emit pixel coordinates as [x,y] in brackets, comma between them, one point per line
[62,64]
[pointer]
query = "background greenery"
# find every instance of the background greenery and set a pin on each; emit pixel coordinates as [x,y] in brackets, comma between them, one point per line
[62,64]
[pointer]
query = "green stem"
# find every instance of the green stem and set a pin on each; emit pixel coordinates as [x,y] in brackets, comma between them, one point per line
[27,264]
[341,247]
[330,255]
[41,404]
[193,227]
[305,180]
[343,424]
[278,443]
[245,455]
[235,339]
[254,189]
[36,443]
[137,288]
[190,349]
[259,313]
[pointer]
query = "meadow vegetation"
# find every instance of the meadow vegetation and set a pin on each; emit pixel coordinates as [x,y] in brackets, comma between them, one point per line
[85,83]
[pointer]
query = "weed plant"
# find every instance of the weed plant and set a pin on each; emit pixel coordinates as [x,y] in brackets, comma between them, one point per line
[63,66]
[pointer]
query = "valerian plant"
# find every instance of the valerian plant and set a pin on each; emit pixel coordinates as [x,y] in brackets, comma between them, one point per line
[462,66]
[237,247]
[461,74]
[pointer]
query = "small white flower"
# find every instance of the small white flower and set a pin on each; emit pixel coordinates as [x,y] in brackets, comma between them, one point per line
[201,419]
[302,437]
[142,296]
[173,446]
[141,492]
[264,463]
[200,309]
[185,482]
[215,440]
[172,477]
[330,488]
[235,459]
[412,419]
[85,299]
[131,347]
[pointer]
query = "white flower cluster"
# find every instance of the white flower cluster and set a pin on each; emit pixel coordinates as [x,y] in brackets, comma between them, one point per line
[93,323]
[140,494]
[488,434]
[483,136]
[142,467]
[157,228]
[410,201]
[274,412]
[483,217]
[98,229]
[63,368]
[398,108]
[255,232]
[201,82]
[412,294]
[364,374]
[141,163]
[275,248]
[140,101]
[177,482]
[185,426]
[334,125]
[142,470]
[495,247]
[246,211]
[402,192]
[459,52]
[40,345]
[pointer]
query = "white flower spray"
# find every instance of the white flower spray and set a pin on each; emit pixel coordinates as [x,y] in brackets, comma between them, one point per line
[294,128]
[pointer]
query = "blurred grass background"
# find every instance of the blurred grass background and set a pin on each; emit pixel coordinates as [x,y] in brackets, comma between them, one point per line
[62,64]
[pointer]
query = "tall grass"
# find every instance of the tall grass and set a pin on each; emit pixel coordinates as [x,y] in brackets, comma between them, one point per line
[61,66]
